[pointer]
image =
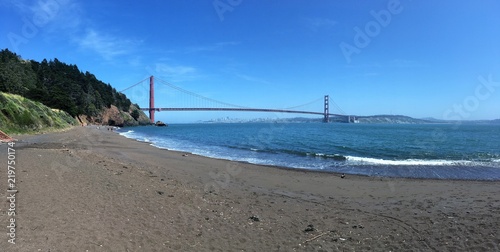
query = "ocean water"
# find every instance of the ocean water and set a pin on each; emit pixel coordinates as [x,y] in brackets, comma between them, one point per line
[437,151]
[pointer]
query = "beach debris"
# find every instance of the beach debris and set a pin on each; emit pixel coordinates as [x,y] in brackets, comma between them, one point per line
[254,218]
[185,155]
[318,236]
[358,226]
[160,192]
[341,239]
[310,228]
[342,176]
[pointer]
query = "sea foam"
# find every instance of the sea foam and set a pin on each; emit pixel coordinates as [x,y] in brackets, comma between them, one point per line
[413,162]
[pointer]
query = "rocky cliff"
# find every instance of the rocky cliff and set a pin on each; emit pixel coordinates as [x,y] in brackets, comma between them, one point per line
[115,117]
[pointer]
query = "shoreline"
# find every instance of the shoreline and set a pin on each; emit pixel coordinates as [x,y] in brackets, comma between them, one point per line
[89,189]
[337,173]
[305,170]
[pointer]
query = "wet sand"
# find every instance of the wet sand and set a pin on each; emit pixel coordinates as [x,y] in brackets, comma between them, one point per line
[89,189]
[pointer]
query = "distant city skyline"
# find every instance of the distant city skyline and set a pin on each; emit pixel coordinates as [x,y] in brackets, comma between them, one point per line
[415,58]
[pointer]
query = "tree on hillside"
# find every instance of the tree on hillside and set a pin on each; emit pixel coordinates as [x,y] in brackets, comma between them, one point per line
[58,85]
[16,75]
[135,114]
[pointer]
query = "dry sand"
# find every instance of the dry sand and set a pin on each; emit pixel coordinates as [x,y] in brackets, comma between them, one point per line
[90,189]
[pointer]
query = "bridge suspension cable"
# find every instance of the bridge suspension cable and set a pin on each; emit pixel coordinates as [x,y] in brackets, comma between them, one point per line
[166,83]
[338,107]
[136,84]
[197,95]
[305,104]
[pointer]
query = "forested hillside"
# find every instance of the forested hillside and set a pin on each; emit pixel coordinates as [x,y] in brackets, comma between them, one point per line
[62,86]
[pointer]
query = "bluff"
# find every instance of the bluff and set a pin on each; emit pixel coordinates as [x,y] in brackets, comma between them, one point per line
[113,116]
[63,86]
[22,115]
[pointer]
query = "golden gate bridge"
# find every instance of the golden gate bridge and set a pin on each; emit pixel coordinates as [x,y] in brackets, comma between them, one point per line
[223,106]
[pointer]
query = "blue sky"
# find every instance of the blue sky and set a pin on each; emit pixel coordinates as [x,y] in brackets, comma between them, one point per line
[419,58]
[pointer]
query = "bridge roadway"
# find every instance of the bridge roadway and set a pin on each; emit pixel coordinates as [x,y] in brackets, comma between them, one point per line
[240,109]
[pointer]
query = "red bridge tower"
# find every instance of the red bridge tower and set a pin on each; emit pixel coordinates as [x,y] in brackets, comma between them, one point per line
[152,99]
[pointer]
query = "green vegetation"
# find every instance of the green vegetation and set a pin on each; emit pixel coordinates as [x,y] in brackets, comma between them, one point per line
[135,114]
[60,86]
[20,115]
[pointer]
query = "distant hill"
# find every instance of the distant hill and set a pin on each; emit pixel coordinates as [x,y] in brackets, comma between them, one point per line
[401,119]
[394,119]
[62,86]
[391,119]
[377,119]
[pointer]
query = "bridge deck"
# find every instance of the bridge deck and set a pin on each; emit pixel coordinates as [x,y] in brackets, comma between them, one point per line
[240,109]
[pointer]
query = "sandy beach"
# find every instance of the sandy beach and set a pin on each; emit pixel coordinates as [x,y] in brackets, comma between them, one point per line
[89,189]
